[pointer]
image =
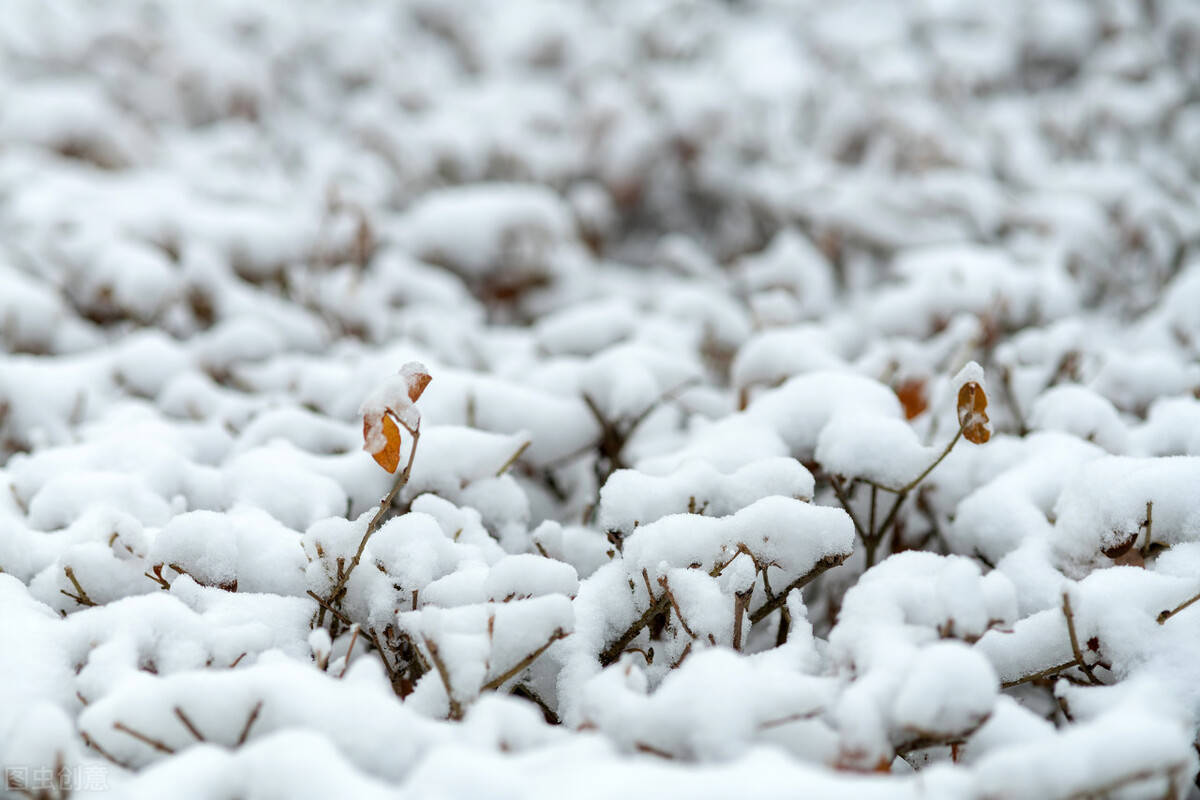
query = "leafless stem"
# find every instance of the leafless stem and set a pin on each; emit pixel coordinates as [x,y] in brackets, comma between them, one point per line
[249,723]
[775,723]
[1036,676]
[355,628]
[548,713]
[187,723]
[836,483]
[369,633]
[513,458]
[339,589]
[456,710]
[516,669]
[666,587]
[908,487]
[1011,396]
[1149,527]
[1066,609]
[1166,615]
[90,742]
[143,738]
[741,604]
[80,595]
[611,653]
[826,563]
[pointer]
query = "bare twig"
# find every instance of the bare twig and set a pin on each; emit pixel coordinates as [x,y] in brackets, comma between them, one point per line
[836,483]
[1066,609]
[355,628]
[90,742]
[513,458]
[775,723]
[666,587]
[1011,396]
[80,595]
[339,588]
[369,633]
[611,653]
[143,738]
[908,487]
[548,713]
[187,723]
[741,604]
[456,710]
[249,723]
[1166,615]
[1149,527]
[1037,676]
[516,669]
[826,563]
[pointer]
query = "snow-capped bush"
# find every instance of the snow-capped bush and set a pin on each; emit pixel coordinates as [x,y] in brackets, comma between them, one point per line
[454,399]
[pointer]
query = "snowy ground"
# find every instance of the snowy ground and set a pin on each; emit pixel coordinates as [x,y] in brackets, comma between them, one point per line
[704,290]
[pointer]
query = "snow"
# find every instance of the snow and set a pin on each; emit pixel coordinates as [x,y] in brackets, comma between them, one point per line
[685,315]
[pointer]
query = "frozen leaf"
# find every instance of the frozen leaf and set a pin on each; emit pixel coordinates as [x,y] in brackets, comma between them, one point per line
[972,413]
[390,406]
[912,396]
[388,456]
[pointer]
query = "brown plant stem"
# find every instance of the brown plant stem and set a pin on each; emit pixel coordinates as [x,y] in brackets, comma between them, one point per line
[339,588]
[826,563]
[456,709]
[611,653]
[499,680]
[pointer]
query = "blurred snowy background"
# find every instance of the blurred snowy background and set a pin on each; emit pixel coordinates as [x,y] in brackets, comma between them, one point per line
[694,282]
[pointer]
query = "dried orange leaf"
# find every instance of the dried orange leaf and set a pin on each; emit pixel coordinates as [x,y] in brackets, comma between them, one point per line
[417,381]
[972,413]
[1122,547]
[389,456]
[912,396]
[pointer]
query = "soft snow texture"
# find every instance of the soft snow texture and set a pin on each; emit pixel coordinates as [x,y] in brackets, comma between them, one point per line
[680,297]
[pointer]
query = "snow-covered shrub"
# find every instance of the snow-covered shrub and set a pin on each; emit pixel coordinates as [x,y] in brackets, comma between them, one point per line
[812,401]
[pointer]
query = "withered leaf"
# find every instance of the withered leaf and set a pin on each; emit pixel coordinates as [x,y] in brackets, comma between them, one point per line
[972,413]
[912,396]
[389,456]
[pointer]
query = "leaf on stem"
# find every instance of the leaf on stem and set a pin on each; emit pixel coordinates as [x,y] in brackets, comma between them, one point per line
[972,413]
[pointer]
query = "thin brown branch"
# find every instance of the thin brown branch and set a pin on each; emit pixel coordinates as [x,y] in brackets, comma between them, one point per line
[355,628]
[775,723]
[666,587]
[80,595]
[1107,789]
[548,713]
[836,483]
[249,723]
[339,588]
[143,738]
[90,742]
[908,487]
[1149,528]
[372,637]
[187,723]
[826,563]
[1011,396]
[1037,676]
[741,604]
[513,458]
[1075,651]
[1166,615]
[610,654]
[516,669]
[456,710]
